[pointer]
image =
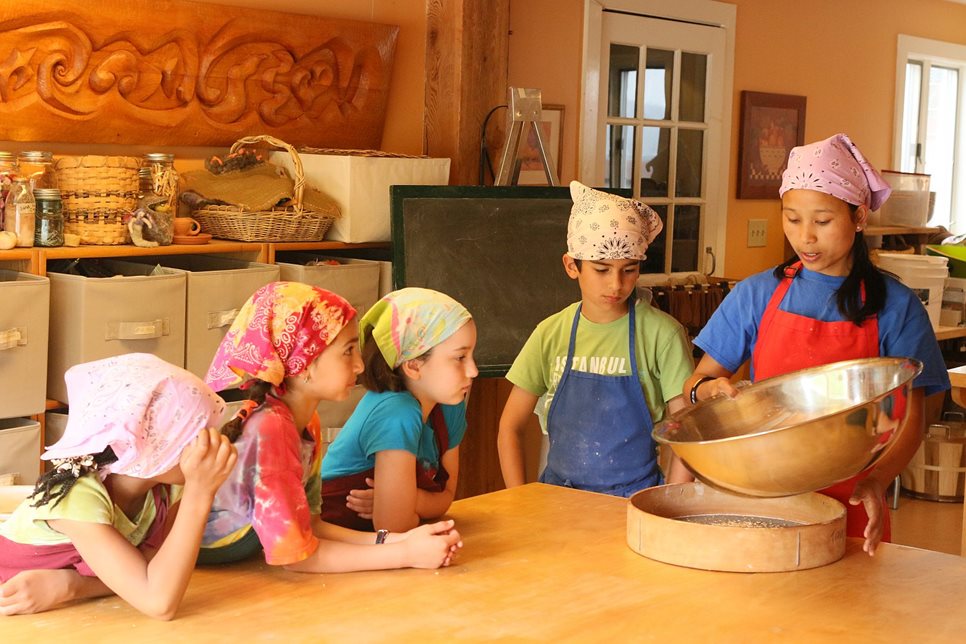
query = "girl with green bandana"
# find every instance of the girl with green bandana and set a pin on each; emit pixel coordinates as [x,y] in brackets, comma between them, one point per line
[396,461]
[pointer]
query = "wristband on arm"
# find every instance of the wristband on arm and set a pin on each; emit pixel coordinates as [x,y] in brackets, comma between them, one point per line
[694,388]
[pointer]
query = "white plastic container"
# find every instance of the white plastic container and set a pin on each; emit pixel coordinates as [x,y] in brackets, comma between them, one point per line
[924,274]
[908,205]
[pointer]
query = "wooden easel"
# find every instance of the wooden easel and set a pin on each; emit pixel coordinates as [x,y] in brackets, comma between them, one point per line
[525,109]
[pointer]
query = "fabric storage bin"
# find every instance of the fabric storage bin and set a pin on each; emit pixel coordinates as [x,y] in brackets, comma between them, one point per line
[55,422]
[357,280]
[359,182]
[98,317]
[20,449]
[216,289]
[24,316]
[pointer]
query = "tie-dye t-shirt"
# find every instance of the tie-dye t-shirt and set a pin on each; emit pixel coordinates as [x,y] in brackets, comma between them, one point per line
[274,488]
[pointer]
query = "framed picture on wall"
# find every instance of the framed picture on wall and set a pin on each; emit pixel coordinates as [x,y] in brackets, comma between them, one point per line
[771,125]
[551,127]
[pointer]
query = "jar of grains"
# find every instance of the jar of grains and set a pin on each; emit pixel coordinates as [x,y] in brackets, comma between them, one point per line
[49,229]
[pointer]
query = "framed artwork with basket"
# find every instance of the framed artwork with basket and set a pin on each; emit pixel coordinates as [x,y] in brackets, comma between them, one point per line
[771,125]
[291,221]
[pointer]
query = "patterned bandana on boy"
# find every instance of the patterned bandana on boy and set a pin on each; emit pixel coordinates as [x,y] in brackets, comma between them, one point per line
[145,409]
[605,226]
[836,167]
[282,328]
[409,322]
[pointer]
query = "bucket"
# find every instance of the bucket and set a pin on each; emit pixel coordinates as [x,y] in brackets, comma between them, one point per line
[908,204]
[936,472]
[925,275]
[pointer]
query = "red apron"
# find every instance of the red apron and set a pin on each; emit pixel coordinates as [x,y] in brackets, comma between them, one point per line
[788,342]
[335,491]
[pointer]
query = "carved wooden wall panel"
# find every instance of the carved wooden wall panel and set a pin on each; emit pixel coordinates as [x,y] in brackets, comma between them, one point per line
[184,73]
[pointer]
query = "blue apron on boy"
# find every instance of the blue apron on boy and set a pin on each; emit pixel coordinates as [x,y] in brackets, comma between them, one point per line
[600,429]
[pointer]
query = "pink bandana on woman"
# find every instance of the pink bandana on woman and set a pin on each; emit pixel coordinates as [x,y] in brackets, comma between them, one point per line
[145,409]
[409,322]
[605,226]
[836,167]
[282,328]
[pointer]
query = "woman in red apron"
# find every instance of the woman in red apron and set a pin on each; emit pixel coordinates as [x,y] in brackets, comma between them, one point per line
[830,303]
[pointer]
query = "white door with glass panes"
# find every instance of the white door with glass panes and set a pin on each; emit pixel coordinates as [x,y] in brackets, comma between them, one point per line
[659,128]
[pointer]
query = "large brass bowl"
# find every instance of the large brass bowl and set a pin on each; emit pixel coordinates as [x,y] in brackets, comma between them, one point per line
[795,433]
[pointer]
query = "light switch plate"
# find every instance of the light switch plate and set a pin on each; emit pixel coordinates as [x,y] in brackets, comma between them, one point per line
[757,232]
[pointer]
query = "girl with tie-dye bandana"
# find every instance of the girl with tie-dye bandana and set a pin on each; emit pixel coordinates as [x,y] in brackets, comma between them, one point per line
[292,346]
[396,460]
[827,303]
[100,520]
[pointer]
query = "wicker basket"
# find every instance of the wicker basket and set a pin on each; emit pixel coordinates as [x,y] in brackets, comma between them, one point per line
[97,193]
[292,223]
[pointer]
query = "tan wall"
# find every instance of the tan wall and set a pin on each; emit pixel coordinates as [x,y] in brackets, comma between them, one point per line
[840,54]
[538,28]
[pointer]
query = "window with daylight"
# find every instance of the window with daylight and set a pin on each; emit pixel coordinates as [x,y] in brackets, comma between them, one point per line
[930,136]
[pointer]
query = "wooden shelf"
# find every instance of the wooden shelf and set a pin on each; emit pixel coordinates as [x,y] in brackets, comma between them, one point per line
[950,332]
[259,251]
[901,230]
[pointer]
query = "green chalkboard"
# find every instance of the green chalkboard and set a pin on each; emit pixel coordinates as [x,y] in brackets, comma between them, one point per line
[496,250]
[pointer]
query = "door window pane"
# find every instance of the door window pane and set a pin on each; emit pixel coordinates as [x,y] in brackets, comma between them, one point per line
[690,157]
[619,156]
[940,142]
[654,263]
[910,117]
[622,83]
[684,250]
[657,84]
[694,71]
[655,161]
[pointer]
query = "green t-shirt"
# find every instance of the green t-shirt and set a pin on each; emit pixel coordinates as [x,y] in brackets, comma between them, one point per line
[87,501]
[664,359]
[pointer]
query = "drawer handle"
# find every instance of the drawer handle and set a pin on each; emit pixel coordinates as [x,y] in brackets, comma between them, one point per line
[15,337]
[145,330]
[219,319]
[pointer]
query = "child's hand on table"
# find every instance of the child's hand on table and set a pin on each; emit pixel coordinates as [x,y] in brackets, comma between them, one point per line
[36,591]
[430,546]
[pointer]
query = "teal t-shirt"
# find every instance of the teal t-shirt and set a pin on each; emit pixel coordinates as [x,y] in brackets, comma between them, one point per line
[664,359]
[389,421]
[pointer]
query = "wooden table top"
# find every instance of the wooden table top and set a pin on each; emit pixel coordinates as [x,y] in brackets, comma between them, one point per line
[545,563]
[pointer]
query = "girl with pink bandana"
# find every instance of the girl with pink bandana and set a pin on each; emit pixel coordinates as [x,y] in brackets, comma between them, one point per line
[826,303]
[396,460]
[137,426]
[292,346]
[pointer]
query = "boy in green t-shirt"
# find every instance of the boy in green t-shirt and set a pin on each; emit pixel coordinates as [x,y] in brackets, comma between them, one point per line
[610,365]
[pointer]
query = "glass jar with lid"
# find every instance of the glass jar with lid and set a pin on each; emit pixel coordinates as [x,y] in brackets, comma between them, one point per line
[19,212]
[38,167]
[49,228]
[159,177]
[8,172]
